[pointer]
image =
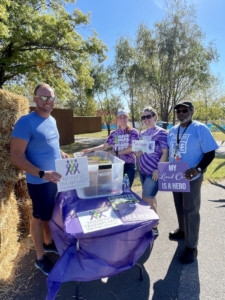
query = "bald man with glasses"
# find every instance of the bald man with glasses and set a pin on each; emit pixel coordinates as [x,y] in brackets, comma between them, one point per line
[192,142]
[34,148]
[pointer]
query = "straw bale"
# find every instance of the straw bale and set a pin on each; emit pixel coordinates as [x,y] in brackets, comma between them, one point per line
[9,245]
[8,288]
[24,207]
[13,106]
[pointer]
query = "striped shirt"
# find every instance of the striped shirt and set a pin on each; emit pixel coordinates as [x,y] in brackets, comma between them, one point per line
[121,140]
[148,162]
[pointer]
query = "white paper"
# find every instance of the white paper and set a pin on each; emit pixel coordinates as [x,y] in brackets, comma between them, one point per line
[74,173]
[98,219]
[143,145]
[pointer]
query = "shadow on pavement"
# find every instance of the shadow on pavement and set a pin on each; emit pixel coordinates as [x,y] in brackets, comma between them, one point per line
[217,184]
[126,285]
[218,201]
[175,282]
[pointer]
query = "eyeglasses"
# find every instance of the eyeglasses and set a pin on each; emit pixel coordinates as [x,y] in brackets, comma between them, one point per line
[184,111]
[45,98]
[146,117]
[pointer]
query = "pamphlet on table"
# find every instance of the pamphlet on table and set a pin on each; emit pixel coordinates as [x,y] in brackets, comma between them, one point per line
[133,212]
[114,200]
[98,219]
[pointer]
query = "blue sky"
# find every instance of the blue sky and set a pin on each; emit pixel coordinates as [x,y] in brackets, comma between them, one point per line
[112,19]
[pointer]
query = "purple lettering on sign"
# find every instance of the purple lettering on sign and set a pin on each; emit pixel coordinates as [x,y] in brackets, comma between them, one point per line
[171,177]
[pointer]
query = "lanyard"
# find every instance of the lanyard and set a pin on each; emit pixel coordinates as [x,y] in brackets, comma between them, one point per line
[179,139]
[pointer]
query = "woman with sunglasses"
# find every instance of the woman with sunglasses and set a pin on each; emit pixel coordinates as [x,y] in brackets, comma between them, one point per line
[120,140]
[148,162]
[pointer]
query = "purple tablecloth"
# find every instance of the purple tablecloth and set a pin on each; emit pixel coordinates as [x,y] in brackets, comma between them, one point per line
[94,255]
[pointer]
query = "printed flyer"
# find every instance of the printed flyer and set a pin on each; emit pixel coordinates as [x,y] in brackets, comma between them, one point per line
[98,219]
[171,177]
[114,200]
[132,212]
[74,173]
[143,145]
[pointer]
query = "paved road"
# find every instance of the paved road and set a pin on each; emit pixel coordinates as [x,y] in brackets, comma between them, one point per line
[165,278]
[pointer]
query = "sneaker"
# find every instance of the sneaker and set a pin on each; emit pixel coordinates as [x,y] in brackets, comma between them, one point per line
[189,255]
[155,232]
[176,234]
[50,248]
[44,264]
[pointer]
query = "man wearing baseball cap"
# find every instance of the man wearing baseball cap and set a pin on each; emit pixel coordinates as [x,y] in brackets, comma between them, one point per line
[192,142]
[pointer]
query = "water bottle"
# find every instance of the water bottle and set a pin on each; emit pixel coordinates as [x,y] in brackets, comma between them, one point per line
[126,183]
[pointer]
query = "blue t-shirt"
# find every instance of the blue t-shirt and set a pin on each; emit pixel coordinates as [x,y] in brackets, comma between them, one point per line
[196,141]
[43,142]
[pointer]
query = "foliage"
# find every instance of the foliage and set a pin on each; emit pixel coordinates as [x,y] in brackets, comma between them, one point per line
[209,100]
[81,103]
[40,42]
[177,61]
[109,103]
[129,75]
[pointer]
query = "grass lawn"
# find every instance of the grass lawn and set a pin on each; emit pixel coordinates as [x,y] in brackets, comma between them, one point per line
[209,175]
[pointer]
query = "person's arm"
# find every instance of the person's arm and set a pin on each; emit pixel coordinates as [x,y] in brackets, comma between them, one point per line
[102,147]
[63,154]
[124,151]
[163,158]
[203,164]
[17,157]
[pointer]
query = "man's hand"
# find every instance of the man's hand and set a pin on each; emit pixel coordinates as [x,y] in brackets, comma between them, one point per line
[191,173]
[52,176]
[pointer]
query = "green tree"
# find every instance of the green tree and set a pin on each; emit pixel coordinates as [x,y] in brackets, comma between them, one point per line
[108,103]
[175,59]
[209,100]
[82,103]
[129,74]
[40,42]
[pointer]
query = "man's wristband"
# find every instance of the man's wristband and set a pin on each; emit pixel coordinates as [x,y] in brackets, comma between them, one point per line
[41,174]
[117,152]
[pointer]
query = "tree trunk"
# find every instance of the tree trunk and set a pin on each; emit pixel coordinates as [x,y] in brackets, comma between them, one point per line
[108,128]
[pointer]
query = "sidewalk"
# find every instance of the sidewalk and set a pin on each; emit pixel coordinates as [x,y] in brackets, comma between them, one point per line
[165,278]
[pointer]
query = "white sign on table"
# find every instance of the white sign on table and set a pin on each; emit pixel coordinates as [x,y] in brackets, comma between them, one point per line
[98,219]
[74,173]
[143,145]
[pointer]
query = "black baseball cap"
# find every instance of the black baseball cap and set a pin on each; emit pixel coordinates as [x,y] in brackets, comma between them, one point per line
[184,103]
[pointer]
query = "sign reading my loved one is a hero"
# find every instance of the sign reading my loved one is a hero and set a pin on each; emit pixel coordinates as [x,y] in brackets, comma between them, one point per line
[74,173]
[171,177]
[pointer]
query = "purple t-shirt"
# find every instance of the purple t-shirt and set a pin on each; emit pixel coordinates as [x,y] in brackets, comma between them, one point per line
[121,140]
[148,162]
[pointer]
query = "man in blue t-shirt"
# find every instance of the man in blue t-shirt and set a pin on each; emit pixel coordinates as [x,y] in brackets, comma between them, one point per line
[34,147]
[191,142]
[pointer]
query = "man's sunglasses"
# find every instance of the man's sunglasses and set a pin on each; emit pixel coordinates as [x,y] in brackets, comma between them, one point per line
[45,98]
[146,117]
[184,111]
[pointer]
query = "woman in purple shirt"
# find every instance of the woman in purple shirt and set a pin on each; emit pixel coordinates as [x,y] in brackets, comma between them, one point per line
[148,162]
[120,141]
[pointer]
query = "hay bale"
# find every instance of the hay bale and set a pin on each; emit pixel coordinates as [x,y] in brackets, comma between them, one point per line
[24,207]
[12,227]
[13,106]
[8,172]
[9,220]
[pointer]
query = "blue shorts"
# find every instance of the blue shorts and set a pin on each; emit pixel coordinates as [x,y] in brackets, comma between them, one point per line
[149,187]
[43,199]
